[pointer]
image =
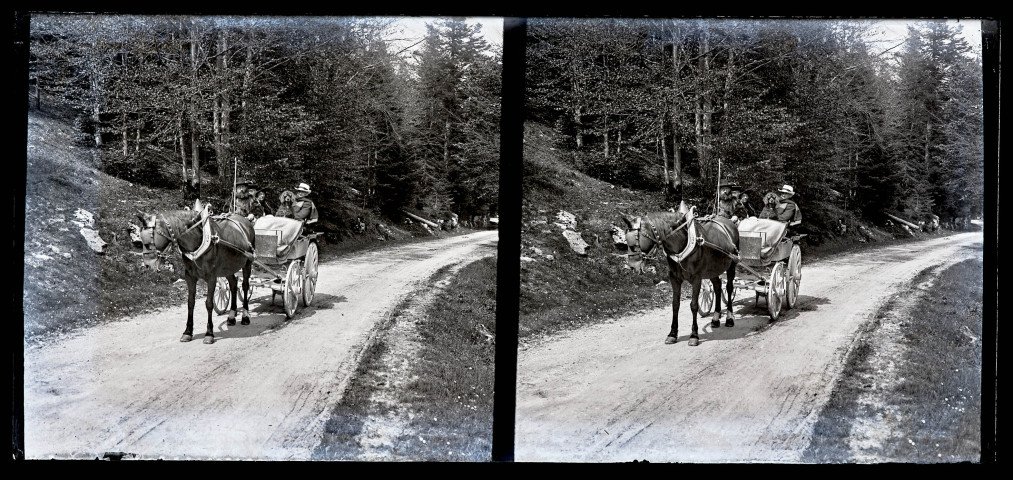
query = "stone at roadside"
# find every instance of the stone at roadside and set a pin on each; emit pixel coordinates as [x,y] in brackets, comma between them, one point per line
[95,242]
[577,244]
[135,234]
[618,236]
[566,220]
[83,218]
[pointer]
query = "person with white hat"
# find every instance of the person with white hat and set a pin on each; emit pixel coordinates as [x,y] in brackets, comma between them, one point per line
[780,206]
[303,208]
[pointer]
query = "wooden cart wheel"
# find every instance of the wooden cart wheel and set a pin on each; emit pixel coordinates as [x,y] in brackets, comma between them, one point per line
[794,277]
[222,295]
[309,285]
[706,298]
[775,291]
[293,288]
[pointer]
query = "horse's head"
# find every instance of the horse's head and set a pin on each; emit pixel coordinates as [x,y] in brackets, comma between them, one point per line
[638,245]
[155,240]
[158,234]
[644,235]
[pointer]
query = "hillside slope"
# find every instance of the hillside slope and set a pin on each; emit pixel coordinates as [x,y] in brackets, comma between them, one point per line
[66,281]
[559,286]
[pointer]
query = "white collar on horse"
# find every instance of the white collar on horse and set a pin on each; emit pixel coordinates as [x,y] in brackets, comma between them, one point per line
[205,243]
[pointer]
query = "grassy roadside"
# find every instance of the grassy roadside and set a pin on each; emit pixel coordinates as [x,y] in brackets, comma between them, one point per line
[926,408]
[423,390]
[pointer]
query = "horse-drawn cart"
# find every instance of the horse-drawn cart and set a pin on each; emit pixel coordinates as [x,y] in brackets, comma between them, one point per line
[285,261]
[770,264]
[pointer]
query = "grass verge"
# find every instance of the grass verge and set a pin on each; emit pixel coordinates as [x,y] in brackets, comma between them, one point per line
[423,390]
[923,405]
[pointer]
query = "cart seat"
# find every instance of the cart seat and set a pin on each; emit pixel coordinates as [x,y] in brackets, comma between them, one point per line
[762,238]
[286,230]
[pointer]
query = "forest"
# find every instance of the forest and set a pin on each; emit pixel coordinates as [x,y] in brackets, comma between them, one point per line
[861,132]
[375,126]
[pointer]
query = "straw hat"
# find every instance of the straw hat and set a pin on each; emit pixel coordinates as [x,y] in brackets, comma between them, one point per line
[303,188]
[787,189]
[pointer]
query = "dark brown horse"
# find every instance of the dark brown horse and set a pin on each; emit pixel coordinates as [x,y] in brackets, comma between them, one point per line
[220,247]
[696,250]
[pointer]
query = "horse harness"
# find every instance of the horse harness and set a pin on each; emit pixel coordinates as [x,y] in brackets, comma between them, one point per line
[692,239]
[174,239]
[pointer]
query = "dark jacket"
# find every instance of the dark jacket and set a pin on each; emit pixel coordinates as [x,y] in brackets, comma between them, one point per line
[304,209]
[786,211]
[247,204]
[731,208]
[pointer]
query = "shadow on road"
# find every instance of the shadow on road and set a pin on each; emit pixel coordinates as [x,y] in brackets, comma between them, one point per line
[752,316]
[266,317]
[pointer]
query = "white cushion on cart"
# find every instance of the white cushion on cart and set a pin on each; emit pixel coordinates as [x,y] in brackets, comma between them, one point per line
[288,227]
[773,230]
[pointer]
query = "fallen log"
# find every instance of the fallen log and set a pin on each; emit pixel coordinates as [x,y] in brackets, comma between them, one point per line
[901,220]
[420,219]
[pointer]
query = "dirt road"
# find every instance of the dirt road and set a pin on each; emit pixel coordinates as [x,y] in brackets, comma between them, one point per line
[615,392]
[262,391]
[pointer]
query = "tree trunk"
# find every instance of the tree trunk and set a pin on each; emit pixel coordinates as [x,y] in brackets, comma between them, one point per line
[606,144]
[675,180]
[221,107]
[124,133]
[579,134]
[194,89]
[96,111]
[38,95]
[664,163]
[703,116]
[619,142]
[244,100]
[182,146]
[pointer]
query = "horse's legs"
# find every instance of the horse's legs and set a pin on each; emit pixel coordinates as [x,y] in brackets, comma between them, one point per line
[191,299]
[232,291]
[246,292]
[730,274]
[209,336]
[673,334]
[694,307]
[716,316]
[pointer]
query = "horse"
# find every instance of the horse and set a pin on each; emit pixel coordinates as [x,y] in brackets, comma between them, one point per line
[211,247]
[696,250]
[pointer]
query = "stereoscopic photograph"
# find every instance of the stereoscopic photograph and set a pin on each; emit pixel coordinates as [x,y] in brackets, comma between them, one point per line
[495,240]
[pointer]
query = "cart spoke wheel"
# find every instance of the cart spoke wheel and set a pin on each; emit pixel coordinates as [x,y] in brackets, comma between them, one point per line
[293,288]
[776,290]
[706,298]
[794,277]
[222,295]
[309,285]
